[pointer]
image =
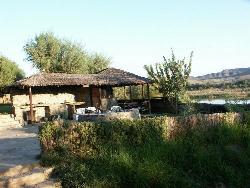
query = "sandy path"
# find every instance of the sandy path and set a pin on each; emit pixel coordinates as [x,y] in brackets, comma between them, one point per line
[18,146]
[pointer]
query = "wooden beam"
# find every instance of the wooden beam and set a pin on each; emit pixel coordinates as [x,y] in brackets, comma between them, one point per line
[31,106]
[149,102]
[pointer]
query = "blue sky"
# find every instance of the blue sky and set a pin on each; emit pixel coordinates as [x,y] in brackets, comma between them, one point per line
[135,32]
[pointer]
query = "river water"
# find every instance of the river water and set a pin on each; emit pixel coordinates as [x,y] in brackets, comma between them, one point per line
[223,101]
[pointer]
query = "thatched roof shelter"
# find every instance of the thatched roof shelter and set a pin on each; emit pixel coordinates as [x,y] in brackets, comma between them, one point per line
[47,82]
[107,77]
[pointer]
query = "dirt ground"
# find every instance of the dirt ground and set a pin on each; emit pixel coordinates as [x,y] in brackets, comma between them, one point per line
[18,146]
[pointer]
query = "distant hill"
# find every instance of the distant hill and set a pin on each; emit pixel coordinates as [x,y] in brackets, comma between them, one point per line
[227,75]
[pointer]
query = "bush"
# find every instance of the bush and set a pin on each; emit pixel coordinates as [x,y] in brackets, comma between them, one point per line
[246,117]
[87,138]
[5,108]
[137,154]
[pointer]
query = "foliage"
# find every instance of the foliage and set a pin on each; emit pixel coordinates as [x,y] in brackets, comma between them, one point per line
[136,156]
[92,135]
[246,117]
[5,108]
[234,106]
[136,92]
[190,107]
[86,137]
[97,62]
[51,54]
[9,72]
[170,76]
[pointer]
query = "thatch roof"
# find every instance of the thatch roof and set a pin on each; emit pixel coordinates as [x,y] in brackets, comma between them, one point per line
[117,77]
[107,77]
[54,79]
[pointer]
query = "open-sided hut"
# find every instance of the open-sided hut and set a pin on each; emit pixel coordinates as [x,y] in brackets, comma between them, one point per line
[46,94]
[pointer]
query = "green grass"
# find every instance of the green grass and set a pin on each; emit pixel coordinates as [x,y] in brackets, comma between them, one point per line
[5,108]
[205,157]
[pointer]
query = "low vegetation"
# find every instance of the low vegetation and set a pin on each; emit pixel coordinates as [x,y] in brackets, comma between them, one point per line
[233,90]
[217,93]
[5,108]
[138,154]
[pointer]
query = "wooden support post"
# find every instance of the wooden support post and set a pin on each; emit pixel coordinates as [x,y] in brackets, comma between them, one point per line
[31,106]
[100,97]
[112,92]
[142,91]
[124,93]
[90,95]
[130,93]
[149,102]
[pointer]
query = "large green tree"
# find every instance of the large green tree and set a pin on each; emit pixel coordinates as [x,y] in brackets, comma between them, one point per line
[97,62]
[51,54]
[9,72]
[170,76]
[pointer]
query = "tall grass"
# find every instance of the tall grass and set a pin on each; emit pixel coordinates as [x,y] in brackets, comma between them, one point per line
[201,157]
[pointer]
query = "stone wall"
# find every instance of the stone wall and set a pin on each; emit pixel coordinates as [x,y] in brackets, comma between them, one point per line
[57,109]
[40,112]
[130,115]
[59,98]
[22,113]
[48,101]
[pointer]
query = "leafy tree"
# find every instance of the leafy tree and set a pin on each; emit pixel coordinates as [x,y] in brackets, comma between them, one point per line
[71,59]
[9,72]
[51,54]
[97,62]
[170,77]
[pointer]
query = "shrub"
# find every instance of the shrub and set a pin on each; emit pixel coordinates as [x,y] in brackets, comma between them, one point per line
[246,117]
[87,138]
[138,154]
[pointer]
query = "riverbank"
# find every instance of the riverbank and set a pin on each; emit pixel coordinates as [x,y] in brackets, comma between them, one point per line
[224,101]
[215,93]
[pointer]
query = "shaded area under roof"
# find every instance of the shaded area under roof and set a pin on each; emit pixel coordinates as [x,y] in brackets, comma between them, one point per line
[107,77]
